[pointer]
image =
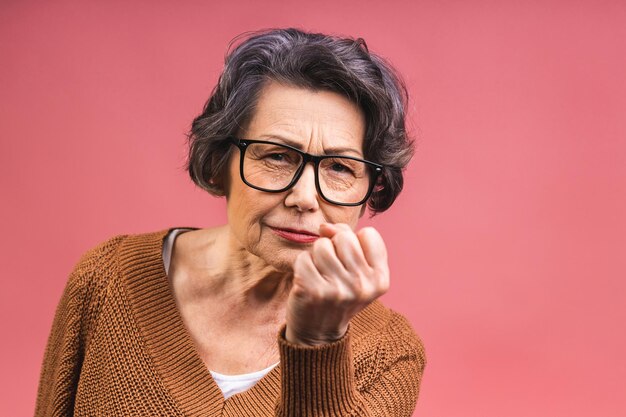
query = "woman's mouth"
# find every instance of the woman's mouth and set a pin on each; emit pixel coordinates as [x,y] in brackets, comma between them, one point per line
[297,236]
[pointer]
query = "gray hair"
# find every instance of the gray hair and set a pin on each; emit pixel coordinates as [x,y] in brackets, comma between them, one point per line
[309,60]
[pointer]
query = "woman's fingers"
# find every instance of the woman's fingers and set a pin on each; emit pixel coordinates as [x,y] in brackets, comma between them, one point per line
[346,246]
[306,276]
[330,229]
[339,276]
[373,247]
[375,253]
[325,259]
[349,251]
[357,262]
[320,277]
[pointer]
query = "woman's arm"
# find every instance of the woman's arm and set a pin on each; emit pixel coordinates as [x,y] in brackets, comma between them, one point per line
[321,380]
[63,355]
[75,316]
[334,281]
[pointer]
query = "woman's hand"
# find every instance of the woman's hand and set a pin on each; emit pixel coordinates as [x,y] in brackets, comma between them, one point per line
[342,273]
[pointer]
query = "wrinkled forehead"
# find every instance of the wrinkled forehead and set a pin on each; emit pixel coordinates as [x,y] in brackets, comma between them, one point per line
[318,122]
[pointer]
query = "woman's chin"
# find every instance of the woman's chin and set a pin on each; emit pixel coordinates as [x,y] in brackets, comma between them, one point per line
[282,259]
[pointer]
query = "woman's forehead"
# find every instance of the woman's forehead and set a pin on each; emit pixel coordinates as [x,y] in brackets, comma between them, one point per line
[307,119]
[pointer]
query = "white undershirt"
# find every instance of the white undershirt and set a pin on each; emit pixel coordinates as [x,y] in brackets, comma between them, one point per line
[233,384]
[228,384]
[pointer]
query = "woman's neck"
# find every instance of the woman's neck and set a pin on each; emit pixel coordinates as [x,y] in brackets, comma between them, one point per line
[213,266]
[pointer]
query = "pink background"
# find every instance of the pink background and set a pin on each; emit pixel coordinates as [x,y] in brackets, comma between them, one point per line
[508,247]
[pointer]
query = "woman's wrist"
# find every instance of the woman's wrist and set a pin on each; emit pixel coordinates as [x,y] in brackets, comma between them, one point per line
[313,339]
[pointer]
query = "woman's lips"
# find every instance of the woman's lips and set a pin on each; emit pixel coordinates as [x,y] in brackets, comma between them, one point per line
[298,236]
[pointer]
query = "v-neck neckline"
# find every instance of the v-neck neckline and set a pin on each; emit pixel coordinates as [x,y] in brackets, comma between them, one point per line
[168,341]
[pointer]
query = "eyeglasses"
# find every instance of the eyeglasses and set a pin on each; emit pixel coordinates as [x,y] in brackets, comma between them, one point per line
[275,167]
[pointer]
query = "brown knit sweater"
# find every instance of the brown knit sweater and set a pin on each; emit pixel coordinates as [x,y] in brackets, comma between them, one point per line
[118,347]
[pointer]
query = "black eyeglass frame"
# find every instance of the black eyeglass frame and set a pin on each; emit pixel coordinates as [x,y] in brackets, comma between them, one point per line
[242,144]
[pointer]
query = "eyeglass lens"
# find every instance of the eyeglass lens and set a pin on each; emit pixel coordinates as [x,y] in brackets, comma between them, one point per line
[272,167]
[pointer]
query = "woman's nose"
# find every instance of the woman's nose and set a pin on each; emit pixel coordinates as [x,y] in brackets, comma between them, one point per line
[303,195]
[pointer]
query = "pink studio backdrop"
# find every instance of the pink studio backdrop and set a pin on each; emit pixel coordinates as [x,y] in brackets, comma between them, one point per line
[508,246]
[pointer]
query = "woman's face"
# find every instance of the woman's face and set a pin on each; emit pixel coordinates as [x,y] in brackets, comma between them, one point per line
[318,122]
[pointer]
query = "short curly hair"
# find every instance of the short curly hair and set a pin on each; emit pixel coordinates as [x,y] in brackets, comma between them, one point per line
[314,61]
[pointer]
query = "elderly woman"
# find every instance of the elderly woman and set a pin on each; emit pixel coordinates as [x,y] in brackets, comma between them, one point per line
[276,312]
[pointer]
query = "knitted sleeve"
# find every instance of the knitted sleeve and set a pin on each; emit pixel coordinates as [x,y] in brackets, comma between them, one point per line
[75,317]
[320,380]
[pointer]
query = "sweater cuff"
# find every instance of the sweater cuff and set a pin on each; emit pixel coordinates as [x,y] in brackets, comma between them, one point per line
[316,380]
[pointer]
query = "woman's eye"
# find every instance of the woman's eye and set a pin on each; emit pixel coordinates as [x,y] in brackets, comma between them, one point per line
[276,156]
[339,168]
[281,157]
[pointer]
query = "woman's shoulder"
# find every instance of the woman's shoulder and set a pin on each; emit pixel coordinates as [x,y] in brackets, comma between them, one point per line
[100,266]
[102,251]
[94,261]
[102,261]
